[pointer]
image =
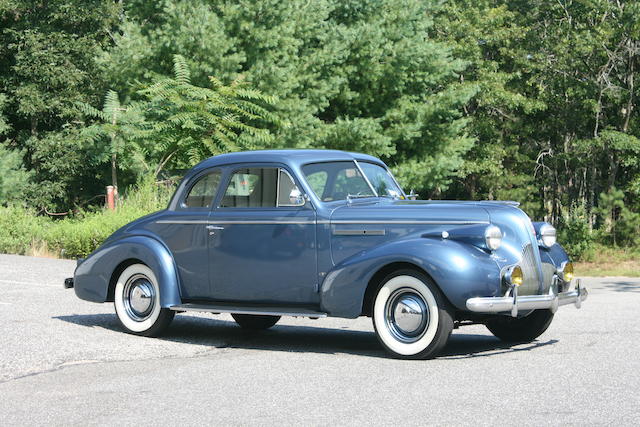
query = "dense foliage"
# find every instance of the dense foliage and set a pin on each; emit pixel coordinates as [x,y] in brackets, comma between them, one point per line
[533,101]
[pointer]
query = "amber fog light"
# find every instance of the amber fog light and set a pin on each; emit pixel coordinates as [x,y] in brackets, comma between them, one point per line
[515,276]
[566,272]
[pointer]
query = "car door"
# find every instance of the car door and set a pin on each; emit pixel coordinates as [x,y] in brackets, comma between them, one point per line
[184,231]
[262,243]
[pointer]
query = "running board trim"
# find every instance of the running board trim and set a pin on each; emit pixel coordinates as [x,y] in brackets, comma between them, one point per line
[260,311]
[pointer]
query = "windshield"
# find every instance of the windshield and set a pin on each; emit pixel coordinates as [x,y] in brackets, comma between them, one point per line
[381,180]
[336,180]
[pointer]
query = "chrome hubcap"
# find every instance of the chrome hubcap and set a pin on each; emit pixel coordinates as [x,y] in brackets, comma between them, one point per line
[407,315]
[139,297]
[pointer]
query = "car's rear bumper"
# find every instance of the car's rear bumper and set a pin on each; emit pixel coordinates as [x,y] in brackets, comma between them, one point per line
[514,303]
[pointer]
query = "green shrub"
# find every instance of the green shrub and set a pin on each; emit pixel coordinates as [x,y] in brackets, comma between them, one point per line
[22,230]
[574,233]
[19,227]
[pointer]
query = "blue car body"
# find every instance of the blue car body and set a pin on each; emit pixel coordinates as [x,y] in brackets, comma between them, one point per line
[325,256]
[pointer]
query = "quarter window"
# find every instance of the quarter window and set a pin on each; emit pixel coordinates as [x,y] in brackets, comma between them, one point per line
[286,189]
[203,191]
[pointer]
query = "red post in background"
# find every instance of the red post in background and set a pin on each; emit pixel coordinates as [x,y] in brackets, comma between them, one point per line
[111,199]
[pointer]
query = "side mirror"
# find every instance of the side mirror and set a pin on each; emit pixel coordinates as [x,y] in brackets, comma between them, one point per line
[296,198]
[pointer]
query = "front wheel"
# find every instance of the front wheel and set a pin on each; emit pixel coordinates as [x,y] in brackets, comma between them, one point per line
[411,316]
[137,302]
[520,329]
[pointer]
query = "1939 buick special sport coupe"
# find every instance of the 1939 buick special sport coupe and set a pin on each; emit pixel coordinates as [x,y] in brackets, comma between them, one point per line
[318,233]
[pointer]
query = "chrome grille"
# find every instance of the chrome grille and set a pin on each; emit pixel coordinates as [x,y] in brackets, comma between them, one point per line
[548,273]
[531,282]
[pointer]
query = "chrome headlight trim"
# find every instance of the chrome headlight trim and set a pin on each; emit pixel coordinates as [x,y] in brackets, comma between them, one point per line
[493,237]
[547,235]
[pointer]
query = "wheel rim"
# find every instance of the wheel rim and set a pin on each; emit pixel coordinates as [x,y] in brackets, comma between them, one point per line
[406,315]
[139,296]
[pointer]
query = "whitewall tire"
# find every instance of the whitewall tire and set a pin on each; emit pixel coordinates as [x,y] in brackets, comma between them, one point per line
[410,316]
[137,302]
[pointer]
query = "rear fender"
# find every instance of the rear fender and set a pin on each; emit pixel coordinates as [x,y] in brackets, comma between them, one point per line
[93,275]
[460,270]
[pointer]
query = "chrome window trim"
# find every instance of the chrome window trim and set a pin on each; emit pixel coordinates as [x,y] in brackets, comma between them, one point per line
[278,187]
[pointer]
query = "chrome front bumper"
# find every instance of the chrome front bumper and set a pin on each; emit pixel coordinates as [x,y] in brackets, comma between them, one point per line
[511,302]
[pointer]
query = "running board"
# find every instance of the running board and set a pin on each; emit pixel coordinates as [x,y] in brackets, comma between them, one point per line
[256,310]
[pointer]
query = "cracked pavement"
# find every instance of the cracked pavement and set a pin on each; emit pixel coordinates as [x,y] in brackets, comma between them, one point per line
[64,361]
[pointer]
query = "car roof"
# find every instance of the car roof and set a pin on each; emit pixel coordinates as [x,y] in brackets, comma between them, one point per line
[290,157]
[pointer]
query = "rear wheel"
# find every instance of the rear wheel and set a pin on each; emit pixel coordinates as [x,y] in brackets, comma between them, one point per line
[254,321]
[411,316]
[137,302]
[520,329]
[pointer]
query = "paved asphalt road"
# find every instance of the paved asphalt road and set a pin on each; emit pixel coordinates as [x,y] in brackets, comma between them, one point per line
[64,361]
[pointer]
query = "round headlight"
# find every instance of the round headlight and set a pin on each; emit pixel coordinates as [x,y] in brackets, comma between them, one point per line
[566,272]
[548,235]
[515,276]
[493,237]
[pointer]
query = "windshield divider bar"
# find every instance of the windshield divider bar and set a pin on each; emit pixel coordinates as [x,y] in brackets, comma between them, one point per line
[365,178]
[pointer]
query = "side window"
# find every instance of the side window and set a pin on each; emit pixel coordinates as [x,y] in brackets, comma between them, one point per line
[202,193]
[251,188]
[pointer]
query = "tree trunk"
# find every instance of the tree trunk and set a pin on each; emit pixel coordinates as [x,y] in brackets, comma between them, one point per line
[114,171]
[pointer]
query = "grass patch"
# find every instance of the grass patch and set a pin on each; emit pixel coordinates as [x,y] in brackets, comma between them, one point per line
[609,261]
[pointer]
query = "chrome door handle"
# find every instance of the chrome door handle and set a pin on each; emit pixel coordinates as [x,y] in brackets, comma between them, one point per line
[214,227]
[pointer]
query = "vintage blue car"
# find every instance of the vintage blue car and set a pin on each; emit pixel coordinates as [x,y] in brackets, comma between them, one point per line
[318,233]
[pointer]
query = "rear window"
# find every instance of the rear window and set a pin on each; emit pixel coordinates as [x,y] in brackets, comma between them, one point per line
[203,191]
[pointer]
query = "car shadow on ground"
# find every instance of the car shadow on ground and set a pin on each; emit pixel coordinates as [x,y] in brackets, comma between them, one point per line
[220,333]
[622,286]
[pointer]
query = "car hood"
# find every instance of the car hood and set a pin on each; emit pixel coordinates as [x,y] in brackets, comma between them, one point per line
[432,217]
[387,210]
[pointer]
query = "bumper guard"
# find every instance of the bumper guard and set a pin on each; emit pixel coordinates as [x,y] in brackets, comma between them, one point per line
[513,303]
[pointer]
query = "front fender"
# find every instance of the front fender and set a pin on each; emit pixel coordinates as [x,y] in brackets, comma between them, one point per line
[92,277]
[460,270]
[555,255]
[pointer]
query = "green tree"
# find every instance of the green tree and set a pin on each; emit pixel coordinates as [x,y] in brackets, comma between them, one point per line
[47,66]
[357,75]
[187,123]
[174,122]
[14,178]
